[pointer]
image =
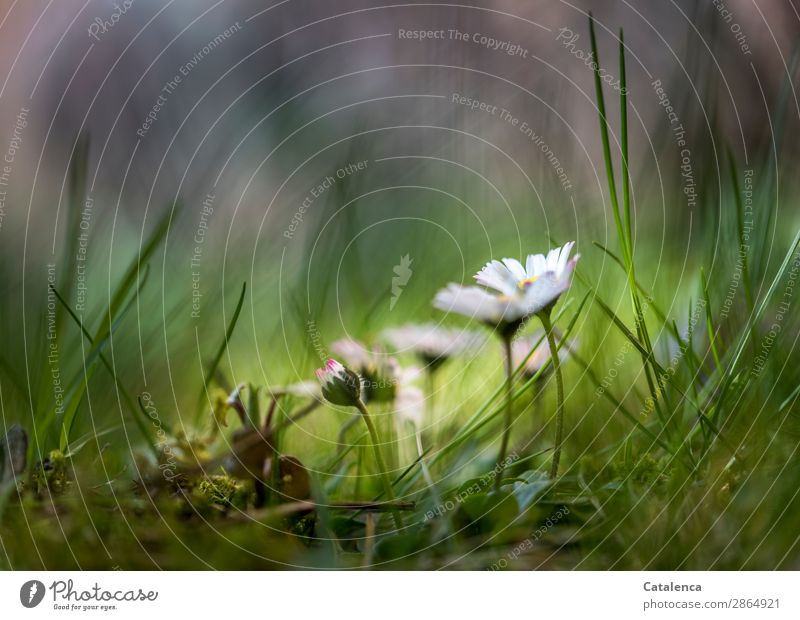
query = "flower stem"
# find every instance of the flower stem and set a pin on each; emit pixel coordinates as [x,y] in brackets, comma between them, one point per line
[430,388]
[507,426]
[430,385]
[387,485]
[544,317]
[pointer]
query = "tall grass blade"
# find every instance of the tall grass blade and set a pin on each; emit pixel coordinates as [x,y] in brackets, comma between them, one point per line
[132,273]
[86,373]
[212,367]
[624,231]
[78,172]
[712,334]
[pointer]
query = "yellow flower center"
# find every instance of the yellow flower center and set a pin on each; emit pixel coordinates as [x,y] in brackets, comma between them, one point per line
[527,282]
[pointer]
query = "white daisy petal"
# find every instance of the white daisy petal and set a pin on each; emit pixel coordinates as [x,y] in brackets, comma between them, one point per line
[536,265]
[564,257]
[566,274]
[470,301]
[516,268]
[497,276]
[523,291]
[543,292]
[552,259]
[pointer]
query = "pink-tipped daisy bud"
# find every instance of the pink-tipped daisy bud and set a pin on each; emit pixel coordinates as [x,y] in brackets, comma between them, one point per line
[340,385]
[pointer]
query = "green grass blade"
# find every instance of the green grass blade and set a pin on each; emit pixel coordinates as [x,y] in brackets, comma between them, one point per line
[78,172]
[625,238]
[212,368]
[712,336]
[630,336]
[71,410]
[132,273]
[730,371]
[623,113]
[790,399]
[618,406]
[601,109]
[95,353]
[650,301]
[737,194]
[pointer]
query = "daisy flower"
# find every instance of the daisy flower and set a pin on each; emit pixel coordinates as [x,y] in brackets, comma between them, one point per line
[516,291]
[433,344]
[513,293]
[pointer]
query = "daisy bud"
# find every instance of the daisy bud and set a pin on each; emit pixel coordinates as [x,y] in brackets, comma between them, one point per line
[378,371]
[340,385]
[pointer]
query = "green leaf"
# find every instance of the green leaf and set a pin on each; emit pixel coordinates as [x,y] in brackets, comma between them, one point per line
[87,371]
[533,486]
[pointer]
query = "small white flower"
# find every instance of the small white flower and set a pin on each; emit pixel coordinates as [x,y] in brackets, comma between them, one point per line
[433,343]
[340,385]
[541,355]
[520,291]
